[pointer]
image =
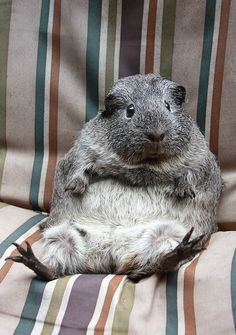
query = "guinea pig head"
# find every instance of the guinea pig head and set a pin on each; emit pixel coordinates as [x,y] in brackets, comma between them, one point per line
[144,119]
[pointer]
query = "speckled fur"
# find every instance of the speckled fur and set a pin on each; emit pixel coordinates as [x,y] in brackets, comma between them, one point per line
[125,204]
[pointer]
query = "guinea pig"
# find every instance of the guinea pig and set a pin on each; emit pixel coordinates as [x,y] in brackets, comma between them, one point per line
[137,194]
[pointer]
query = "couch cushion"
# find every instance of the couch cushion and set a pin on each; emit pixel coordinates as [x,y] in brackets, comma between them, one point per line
[58,58]
[199,298]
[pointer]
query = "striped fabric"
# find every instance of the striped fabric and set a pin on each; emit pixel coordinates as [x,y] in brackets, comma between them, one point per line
[199,298]
[58,59]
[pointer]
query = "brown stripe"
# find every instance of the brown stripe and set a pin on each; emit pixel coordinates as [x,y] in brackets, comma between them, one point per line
[53,115]
[130,37]
[219,72]
[225,226]
[7,266]
[190,322]
[189,279]
[151,36]
[113,285]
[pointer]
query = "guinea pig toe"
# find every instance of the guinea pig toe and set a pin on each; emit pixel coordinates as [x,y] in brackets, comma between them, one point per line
[183,192]
[76,185]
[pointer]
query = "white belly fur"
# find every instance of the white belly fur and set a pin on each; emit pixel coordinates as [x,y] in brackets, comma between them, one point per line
[117,222]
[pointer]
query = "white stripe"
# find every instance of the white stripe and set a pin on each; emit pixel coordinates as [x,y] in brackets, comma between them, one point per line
[158,37]
[42,313]
[64,304]
[102,55]
[46,105]
[212,70]
[115,300]
[144,37]
[117,43]
[99,305]
[21,239]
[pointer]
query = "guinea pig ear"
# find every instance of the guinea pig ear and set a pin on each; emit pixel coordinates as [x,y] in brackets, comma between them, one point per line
[178,94]
[109,101]
[113,102]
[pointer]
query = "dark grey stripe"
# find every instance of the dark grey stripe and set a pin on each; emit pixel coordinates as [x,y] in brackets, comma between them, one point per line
[131,34]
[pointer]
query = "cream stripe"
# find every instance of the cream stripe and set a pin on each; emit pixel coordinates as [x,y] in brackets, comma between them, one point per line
[227,126]
[46,105]
[187,53]
[99,305]
[23,44]
[19,241]
[42,313]
[110,317]
[158,34]
[72,78]
[102,53]
[144,37]
[117,44]
[212,293]
[149,310]
[212,70]
[64,303]
[11,218]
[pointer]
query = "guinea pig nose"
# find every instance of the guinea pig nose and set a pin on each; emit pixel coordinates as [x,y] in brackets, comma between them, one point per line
[155,136]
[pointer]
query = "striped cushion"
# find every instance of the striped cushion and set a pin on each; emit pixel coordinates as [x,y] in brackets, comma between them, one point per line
[59,58]
[199,298]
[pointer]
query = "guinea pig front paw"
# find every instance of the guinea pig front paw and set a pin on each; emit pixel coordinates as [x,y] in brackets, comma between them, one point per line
[77,185]
[183,191]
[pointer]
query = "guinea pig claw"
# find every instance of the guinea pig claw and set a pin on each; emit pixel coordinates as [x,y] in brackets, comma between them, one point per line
[187,236]
[17,259]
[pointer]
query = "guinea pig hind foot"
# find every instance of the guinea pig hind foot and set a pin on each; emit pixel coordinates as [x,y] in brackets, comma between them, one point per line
[184,250]
[169,261]
[28,258]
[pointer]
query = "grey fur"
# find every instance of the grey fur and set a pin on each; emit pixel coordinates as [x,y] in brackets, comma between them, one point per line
[130,188]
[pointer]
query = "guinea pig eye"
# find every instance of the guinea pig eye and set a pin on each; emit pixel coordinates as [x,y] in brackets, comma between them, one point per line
[167,105]
[130,111]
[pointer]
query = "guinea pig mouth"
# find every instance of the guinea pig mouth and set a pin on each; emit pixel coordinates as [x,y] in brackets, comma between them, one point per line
[152,155]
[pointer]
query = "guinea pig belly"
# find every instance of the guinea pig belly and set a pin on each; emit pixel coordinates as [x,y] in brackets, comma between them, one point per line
[108,202]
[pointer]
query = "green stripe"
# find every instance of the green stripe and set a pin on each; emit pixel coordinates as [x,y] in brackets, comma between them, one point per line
[167,39]
[31,307]
[171,304]
[92,57]
[5,18]
[205,63]
[39,105]
[123,309]
[111,39]
[55,305]
[233,287]
[19,232]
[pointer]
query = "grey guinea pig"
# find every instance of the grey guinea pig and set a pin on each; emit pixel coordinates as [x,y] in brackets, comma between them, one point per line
[137,193]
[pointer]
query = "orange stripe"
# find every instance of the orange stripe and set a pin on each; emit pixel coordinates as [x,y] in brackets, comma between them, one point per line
[151,36]
[189,313]
[7,266]
[113,285]
[226,226]
[53,117]
[219,73]
[189,275]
